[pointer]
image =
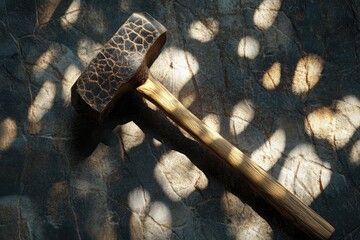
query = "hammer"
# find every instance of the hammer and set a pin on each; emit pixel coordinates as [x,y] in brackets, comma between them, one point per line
[123,65]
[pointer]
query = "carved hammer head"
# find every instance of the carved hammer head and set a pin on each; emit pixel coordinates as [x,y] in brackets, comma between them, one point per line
[120,66]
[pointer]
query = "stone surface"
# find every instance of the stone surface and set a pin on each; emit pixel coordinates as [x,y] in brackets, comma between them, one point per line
[279,79]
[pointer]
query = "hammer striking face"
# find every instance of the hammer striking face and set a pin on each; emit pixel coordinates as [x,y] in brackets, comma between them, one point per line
[119,67]
[122,65]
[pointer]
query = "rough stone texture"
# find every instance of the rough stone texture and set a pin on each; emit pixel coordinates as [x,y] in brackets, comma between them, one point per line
[279,79]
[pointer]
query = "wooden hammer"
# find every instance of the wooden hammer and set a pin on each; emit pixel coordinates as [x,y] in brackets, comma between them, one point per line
[122,65]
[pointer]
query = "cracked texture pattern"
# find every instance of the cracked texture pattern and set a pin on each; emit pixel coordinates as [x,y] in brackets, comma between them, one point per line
[122,58]
[262,73]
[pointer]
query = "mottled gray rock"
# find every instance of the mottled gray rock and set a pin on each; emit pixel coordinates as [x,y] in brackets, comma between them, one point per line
[279,79]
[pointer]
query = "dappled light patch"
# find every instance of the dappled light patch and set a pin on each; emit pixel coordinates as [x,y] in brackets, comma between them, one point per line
[244,110]
[137,185]
[320,123]
[307,74]
[242,115]
[266,13]
[156,142]
[213,121]
[8,132]
[139,200]
[305,186]
[336,125]
[188,100]
[43,61]
[252,231]
[178,179]
[242,215]
[248,47]
[271,151]
[272,76]
[131,135]
[176,64]
[71,15]
[158,222]
[46,11]
[42,104]
[87,50]
[72,72]
[299,170]
[355,153]
[205,30]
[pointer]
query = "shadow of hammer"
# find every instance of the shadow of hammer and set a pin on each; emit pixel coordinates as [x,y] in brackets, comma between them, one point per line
[122,65]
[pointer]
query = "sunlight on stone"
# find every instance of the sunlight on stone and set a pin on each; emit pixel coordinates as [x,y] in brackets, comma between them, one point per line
[349,106]
[310,181]
[177,67]
[87,50]
[355,153]
[244,110]
[308,167]
[46,11]
[178,179]
[43,62]
[248,47]
[320,123]
[131,135]
[272,76]
[42,103]
[251,226]
[347,120]
[136,227]
[8,132]
[307,74]
[159,221]
[71,14]
[139,200]
[266,13]
[271,151]
[188,100]
[72,72]
[231,203]
[204,31]
[241,116]
[337,125]
[213,121]
[156,142]
[251,231]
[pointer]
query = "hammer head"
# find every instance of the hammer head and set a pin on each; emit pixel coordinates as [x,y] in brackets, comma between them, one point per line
[119,67]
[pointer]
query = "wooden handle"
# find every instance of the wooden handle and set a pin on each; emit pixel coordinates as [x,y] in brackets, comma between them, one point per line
[262,182]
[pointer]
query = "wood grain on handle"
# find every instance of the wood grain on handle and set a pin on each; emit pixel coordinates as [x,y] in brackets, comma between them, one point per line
[262,182]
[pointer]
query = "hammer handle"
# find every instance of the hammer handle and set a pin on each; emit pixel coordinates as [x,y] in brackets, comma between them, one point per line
[263,183]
